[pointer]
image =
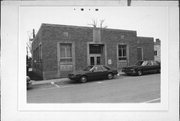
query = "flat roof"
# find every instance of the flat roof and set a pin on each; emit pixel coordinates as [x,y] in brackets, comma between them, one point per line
[84,27]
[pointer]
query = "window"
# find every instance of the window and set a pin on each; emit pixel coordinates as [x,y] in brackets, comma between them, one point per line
[154,63]
[66,52]
[155,53]
[96,48]
[145,63]
[105,68]
[97,69]
[122,52]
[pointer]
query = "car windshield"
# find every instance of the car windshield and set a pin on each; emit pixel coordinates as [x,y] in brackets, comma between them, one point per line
[88,68]
[142,63]
[139,63]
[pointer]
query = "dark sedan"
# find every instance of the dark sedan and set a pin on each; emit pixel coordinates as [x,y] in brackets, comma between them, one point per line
[142,67]
[93,73]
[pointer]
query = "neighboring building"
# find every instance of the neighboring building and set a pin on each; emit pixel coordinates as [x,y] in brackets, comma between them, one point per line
[157,50]
[61,49]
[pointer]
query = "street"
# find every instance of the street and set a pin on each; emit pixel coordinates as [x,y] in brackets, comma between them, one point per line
[123,89]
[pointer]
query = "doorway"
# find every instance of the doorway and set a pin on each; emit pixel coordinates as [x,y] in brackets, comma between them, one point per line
[95,59]
[96,54]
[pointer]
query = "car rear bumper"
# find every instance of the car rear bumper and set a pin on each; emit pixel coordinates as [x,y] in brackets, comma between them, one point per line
[129,71]
[73,77]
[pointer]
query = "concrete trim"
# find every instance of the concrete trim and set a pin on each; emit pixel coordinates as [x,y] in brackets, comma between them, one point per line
[127,53]
[105,54]
[58,59]
[88,61]
[104,50]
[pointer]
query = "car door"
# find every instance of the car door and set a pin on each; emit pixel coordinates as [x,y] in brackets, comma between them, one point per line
[145,66]
[155,66]
[104,72]
[152,67]
[96,73]
[99,74]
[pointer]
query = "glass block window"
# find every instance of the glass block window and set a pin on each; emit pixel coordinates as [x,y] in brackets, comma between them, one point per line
[96,48]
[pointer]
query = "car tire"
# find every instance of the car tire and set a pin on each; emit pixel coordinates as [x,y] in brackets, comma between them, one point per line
[110,76]
[139,72]
[83,79]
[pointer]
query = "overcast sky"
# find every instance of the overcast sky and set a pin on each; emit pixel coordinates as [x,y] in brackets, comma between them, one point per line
[147,21]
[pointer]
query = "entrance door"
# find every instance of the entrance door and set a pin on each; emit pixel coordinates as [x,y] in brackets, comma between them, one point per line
[95,60]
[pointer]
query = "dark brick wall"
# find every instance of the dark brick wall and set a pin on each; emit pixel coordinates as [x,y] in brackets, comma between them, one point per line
[37,65]
[114,37]
[147,43]
[50,36]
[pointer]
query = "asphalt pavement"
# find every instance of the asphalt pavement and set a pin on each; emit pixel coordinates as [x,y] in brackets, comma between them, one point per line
[123,89]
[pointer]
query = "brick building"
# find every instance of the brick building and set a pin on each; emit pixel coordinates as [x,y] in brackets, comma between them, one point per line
[60,49]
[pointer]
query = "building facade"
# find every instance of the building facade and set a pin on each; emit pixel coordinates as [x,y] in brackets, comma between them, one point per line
[157,50]
[61,49]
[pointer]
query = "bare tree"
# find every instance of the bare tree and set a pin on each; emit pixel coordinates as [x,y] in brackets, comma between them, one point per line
[31,36]
[95,24]
[101,24]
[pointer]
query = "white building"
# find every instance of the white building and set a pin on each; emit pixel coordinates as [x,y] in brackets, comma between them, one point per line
[157,50]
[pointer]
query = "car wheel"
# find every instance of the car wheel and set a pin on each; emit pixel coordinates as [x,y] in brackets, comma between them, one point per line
[83,79]
[139,72]
[110,76]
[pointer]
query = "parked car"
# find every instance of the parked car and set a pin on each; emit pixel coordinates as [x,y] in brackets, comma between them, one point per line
[94,72]
[28,82]
[142,67]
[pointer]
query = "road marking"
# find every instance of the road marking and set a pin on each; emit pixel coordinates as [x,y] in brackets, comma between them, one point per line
[99,82]
[55,87]
[149,101]
[55,84]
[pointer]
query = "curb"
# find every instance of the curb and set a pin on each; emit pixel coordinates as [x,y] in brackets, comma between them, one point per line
[49,81]
[52,81]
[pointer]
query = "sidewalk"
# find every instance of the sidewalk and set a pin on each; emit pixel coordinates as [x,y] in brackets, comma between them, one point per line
[49,81]
[52,81]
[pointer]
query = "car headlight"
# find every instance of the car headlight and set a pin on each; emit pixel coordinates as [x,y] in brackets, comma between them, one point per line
[133,70]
